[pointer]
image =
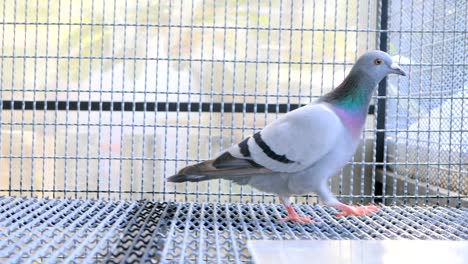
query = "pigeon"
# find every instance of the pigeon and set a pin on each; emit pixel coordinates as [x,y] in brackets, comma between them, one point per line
[299,152]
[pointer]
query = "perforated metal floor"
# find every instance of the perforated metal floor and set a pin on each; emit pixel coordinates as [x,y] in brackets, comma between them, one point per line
[53,230]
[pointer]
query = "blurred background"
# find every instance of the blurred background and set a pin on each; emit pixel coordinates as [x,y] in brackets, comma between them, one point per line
[78,77]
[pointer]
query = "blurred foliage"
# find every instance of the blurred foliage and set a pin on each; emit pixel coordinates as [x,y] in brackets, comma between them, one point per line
[83,38]
[225,51]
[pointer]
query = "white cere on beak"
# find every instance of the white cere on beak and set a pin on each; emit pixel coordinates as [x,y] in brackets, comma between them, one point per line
[394,66]
[397,70]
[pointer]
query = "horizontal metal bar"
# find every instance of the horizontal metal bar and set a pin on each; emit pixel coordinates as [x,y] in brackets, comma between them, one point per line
[254,28]
[155,92]
[64,57]
[246,61]
[226,194]
[147,106]
[115,157]
[413,96]
[213,127]
[151,107]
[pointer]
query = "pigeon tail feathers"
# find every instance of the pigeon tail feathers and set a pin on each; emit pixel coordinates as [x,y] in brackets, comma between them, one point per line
[225,166]
[194,173]
[187,178]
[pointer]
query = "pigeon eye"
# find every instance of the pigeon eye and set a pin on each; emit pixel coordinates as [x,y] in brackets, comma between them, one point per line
[378,61]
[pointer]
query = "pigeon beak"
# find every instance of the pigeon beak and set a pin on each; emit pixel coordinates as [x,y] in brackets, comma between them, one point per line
[396,69]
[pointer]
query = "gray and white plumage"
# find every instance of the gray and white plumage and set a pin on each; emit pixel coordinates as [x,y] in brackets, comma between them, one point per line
[299,152]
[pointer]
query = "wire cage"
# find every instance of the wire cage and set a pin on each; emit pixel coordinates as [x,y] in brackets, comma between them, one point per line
[102,100]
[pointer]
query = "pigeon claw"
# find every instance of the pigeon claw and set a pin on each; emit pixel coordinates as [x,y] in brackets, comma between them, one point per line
[356,210]
[294,217]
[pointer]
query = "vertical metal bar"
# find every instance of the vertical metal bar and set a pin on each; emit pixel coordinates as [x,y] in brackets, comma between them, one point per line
[324,32]
[312,51]
[34,117]
[2,84]
[212,84]
[179,55]
[397,131]
[322,63]
[407,141]
[431,71]
[132,147]
[88,121]
[145,94]
[439,139]
[245,75]
[46,85]
[333,70]
[278,67]
[202,49]
[77,145]
[381,92]
[450,128]
[301,62]
[312,57]
[67,113]
[155,120]
[290,44]
[353,162]
[370,24]
[462,117]
[166,117]
[111,120]
[257,47]
[111,113]
[100,144]
[189,125]
[268,64]
[382,189]
[124,62]
[419,114]
[57,68]
[13,62]
[223,83]
[234,85]
[364,133]
[23,94]
[301,52]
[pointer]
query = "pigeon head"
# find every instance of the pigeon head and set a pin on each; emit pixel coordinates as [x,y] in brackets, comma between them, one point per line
[377,65]
[352,97]
[355,92]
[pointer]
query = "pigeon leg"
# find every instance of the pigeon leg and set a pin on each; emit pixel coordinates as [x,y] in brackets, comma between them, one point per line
[355,210]
[292,215]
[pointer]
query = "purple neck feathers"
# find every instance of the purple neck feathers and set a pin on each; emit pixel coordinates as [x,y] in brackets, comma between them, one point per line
[350,100]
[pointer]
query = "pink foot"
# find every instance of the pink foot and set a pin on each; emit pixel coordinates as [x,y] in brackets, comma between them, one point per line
[356,210]
[293,216]
[299,219]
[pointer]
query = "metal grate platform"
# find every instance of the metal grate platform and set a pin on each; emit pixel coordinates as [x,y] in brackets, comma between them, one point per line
[54,230]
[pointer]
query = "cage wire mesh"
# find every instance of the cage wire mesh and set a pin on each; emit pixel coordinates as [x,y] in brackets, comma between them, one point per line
[428,121]
[101,100]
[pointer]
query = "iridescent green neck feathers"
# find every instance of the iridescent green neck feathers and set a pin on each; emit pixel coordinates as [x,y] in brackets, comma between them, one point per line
[353,94]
